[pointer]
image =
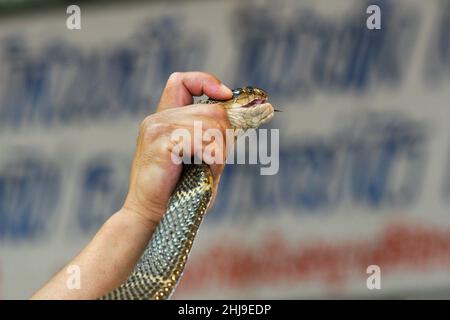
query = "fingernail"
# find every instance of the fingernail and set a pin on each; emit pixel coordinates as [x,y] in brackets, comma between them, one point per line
[225,88]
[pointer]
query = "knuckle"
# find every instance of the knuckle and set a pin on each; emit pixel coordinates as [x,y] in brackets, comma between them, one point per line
[159,150]
[145,122]
[153,126]
[165,145]
[156,129]
[174,76]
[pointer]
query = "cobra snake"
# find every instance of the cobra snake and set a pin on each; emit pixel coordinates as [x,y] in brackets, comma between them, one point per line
[161,265]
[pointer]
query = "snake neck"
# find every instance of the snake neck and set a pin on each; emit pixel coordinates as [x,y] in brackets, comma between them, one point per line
[162,264]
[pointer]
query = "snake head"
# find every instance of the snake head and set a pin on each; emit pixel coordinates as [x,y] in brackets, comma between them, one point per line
[249,108]
[244,95]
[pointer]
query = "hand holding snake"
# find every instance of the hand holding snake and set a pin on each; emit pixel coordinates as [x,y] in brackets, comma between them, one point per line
[141,251]
[161,266]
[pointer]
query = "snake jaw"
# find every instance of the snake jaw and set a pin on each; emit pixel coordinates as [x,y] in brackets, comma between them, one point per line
[249,108]
[244,118]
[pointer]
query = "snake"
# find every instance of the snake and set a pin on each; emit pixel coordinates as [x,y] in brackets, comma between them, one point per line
[161,266]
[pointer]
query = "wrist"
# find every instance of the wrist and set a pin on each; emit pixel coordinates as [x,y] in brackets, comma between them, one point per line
[138,216]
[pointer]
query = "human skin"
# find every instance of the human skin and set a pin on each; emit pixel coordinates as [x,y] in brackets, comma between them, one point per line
[108,260]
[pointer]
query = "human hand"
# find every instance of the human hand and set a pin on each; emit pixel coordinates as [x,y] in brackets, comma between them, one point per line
[154,174]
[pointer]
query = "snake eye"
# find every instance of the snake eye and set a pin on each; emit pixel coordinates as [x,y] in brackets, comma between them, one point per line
[237,92]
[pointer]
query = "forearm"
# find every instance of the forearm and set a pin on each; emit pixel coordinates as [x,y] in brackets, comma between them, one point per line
[107,260]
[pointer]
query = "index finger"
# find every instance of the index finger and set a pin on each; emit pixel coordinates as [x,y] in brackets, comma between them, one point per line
[182,86]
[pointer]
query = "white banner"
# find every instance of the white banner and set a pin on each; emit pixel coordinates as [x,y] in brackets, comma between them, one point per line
[364,177]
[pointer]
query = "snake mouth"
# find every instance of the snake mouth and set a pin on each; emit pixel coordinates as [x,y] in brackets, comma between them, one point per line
[254,102]
[258,101]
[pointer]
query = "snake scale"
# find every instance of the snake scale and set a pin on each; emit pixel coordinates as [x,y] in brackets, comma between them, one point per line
[161,265]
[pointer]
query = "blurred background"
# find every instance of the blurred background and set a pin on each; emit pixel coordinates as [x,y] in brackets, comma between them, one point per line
[364,175]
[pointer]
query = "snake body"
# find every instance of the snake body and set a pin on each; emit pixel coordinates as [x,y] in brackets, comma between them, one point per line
[162,263]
